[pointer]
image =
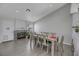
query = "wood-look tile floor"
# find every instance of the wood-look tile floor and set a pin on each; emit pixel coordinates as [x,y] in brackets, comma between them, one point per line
[22,48]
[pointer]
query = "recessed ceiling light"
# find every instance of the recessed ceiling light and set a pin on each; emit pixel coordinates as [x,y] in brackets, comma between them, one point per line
[51,5]
[17,11]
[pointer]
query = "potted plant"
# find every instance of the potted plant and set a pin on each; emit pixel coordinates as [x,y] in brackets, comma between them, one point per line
[76,28]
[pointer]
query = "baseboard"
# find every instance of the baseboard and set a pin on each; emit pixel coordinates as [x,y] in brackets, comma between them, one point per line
[7,41]
[67,43]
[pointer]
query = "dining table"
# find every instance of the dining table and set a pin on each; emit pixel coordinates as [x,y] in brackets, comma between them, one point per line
[51,38]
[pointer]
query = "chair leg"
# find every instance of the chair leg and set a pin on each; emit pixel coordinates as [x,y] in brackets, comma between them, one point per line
[41,47]
[62,50]
[57,48]
[47,49]
[36,45]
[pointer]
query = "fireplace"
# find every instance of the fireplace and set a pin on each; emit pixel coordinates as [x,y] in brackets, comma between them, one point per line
[19,34]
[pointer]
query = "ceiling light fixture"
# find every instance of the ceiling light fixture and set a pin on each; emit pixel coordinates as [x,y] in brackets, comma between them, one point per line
[28,10]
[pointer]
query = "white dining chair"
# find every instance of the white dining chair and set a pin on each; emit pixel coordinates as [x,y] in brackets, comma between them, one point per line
[60,45]
[38,41]
[45,43]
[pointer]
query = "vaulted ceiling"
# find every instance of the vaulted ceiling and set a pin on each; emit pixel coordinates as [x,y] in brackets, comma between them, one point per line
[18,10]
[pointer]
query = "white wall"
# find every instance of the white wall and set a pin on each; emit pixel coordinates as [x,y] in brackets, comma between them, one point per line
[8,34]
[59,22]
[0,30]
[7,30]
[20,25]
